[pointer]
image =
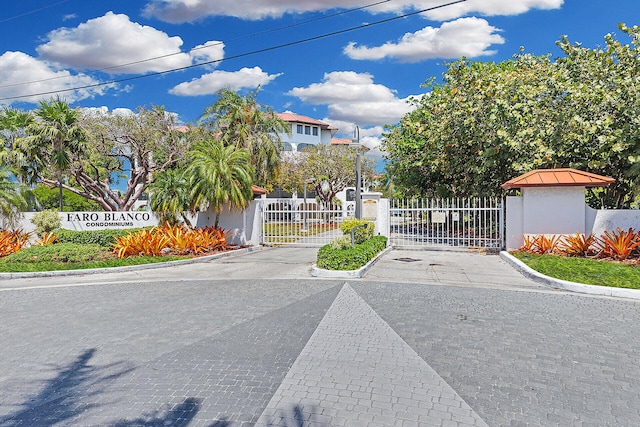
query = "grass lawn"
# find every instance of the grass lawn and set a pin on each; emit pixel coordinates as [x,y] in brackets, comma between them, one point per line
[49,265]
[70,256]
[583,270]
[288,232]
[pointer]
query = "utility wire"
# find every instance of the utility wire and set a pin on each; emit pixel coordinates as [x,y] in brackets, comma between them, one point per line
[273,30]
[241,55]
[32,11]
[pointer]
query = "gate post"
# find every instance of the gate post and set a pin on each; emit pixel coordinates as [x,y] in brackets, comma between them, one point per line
[376,210]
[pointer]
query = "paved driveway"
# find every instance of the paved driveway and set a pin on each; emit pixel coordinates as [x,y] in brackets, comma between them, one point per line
[427,338]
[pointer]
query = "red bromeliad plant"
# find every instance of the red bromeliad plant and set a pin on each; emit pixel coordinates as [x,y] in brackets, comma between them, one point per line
[12,241]
[175,239]
[47,239]
[577,244]
[528,243]
[143,242]
[542,243]
[619,244]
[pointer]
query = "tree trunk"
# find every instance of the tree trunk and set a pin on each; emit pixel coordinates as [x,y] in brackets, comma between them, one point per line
[60,191]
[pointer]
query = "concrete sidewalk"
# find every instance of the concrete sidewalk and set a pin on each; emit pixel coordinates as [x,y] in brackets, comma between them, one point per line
[409,266]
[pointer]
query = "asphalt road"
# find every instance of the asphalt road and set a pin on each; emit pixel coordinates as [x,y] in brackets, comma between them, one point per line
[426,338]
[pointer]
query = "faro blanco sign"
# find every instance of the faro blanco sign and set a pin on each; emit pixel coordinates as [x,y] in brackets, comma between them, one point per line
[100,220]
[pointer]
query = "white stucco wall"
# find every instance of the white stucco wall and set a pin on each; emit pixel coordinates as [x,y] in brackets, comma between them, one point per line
[609,220]
[514,224]
[553,210]
[561,210]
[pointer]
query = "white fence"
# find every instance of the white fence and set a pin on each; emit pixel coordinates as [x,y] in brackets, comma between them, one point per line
[456,222]
[292,222]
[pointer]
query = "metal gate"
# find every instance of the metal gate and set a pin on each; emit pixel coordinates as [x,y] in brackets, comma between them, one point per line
[296,222]
[458,222]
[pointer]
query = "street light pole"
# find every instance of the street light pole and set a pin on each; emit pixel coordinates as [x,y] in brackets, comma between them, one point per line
[358,212]
[304,208]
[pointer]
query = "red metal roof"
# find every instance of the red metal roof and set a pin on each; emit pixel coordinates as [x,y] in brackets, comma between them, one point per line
[257,191]
[566,177]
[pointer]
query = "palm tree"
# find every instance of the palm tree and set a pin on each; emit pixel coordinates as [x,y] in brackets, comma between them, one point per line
[241,121]
[169,194]
[13,125]
[54,137]
[11,201]
[220,174]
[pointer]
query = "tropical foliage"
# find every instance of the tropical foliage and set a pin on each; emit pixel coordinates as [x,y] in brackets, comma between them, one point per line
[244,123]
[170,196]
[53,139]
[619,245]
[328,169]
[47,198]
[220,175]
[145,143]
[11,200]
[170,239]
[488,122]
[12,241]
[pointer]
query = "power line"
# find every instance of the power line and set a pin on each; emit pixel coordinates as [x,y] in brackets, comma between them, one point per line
[32,11]
[241,55]
[273,30]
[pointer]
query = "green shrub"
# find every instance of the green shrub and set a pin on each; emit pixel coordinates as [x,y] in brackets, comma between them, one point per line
[60,252]
[48,198]
[104,238]
[342,242]
[362,233]
[46,221]
[351,258]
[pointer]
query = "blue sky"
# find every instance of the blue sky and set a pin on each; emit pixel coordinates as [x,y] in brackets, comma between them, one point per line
[360,77]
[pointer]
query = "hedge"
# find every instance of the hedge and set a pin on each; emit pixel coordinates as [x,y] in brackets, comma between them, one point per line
[61,252]
[103,238]
[351,258]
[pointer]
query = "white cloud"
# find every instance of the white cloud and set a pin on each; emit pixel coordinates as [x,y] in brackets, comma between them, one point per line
[353,97]
[211,83]
[490,8]
[210,51]
[17,68]
[370,136]
[470,37]
[113,40]
[177,11]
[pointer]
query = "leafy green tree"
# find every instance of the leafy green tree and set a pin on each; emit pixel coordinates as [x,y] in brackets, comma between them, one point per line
[477,129]
[11,201]
[219,174]
[170,196]
[601,120]
[242,122]
[13,125]
[131,147]
[330,169]
[54,137]
[47,198]
[488,122]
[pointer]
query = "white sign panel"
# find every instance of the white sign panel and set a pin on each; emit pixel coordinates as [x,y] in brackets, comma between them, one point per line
[101,220]
[438,217]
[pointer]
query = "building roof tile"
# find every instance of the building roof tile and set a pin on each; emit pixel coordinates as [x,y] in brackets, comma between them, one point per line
[297,118]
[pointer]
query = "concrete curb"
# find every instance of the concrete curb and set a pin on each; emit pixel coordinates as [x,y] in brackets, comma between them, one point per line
[348,274]
[124,269]
[566,285]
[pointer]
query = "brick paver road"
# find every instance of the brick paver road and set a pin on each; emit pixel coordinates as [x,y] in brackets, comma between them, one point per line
[454,348]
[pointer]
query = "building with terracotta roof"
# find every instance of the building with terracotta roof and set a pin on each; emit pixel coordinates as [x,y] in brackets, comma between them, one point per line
[305,132]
